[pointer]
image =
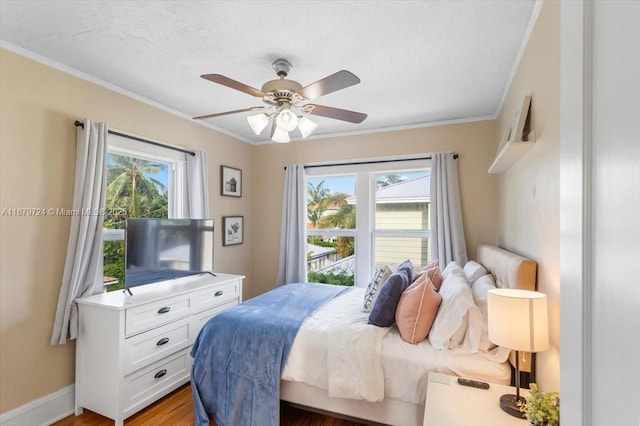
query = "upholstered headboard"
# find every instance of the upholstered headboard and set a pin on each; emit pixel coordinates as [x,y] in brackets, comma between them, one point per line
[509,269]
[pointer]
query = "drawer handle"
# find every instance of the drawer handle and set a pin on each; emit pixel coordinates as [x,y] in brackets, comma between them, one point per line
[218,293]
[163,341]
[160,374]
[164,310]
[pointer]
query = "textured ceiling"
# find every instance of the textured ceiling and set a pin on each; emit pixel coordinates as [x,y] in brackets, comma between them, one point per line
[420,62]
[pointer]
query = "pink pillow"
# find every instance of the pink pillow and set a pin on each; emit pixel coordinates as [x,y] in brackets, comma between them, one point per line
[435,275]
[417,310]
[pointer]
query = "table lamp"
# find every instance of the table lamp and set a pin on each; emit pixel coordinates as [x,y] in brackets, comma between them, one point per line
[517,321]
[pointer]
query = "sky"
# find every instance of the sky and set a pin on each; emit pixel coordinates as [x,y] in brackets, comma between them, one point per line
[346,184]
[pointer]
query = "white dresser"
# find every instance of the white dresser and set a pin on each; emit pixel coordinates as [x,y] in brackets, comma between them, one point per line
[134,349]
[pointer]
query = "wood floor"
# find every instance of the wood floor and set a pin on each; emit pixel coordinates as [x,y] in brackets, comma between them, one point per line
[176,409]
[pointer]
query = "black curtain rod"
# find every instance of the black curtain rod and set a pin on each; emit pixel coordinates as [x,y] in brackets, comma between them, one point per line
[124,135]
[355,163]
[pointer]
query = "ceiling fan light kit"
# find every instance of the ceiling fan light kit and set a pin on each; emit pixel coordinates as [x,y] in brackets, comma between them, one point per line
[283,97]
[258,122]
[280,135]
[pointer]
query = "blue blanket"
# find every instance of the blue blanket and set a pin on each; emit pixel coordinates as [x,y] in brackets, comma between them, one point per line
[239,355]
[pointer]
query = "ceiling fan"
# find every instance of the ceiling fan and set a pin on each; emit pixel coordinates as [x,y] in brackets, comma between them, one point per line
[286,102]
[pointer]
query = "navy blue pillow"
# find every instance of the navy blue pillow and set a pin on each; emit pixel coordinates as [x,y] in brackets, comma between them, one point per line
[407,266]
[383,313]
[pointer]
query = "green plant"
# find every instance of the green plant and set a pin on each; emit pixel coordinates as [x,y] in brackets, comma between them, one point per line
[541,408]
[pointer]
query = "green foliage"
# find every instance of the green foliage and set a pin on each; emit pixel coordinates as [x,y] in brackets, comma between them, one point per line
[114,263]
[316,201]
[541,408]
[132,192]
[330,278]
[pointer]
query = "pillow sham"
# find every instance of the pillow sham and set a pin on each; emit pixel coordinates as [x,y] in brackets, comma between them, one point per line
[458,322]
[417,309]
[407,267]
[383,313]
[473,270]
[453,269]
[435,276]
[379,277]
[479,289]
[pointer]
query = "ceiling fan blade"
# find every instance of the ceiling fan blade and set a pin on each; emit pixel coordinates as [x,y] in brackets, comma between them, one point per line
[336,113]
[229,112]
[226,81]
[334,82]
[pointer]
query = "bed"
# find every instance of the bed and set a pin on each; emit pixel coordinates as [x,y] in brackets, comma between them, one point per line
[335,362]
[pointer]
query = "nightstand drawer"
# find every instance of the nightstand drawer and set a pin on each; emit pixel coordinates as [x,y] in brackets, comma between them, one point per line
[145,317]
[146,348]
[215,295]
[157,377]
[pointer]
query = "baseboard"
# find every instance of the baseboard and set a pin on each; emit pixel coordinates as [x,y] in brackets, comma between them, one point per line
[42,411]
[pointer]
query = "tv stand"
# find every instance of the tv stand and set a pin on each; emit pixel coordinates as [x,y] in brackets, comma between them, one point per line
[134,349]
[127,290]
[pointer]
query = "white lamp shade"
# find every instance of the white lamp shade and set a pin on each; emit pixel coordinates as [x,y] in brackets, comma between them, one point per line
[286,120]
[518,319]
[280,135]
[306,126]
[258,122]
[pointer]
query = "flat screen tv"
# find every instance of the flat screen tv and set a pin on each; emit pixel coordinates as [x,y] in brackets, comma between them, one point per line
[164,249]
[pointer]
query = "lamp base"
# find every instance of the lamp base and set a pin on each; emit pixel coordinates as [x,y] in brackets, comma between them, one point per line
[508,403]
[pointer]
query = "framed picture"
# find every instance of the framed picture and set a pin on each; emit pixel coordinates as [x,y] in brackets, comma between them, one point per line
[519,118]
[233,230]
[230,181]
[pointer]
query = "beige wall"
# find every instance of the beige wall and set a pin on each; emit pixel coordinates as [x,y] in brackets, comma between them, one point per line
[474,142]
[37,147]
[529,191]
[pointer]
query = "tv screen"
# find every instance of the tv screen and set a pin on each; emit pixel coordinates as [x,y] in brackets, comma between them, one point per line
[164,249]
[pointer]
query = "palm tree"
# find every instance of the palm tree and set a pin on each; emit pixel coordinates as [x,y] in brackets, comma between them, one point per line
[130,186]
[316,201]
[387,180]
[344,218]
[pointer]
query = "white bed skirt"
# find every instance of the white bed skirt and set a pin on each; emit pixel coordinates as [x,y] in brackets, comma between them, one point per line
[388,411]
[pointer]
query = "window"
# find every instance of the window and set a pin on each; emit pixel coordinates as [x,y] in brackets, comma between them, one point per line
[391,225]
[142,181]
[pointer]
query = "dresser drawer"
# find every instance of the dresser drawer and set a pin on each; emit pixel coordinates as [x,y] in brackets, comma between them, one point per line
[153,380]
[199,320]
[150,315]
[145,348]
[215,295]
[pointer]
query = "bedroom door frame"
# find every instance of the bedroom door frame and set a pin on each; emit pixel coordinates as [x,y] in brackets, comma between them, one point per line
[597,137]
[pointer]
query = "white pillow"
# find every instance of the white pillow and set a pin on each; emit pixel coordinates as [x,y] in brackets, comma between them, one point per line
[452,269]
[458,324]
[479,289]
[473,270]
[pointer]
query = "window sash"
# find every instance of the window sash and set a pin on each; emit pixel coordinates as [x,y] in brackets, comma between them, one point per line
[365,232]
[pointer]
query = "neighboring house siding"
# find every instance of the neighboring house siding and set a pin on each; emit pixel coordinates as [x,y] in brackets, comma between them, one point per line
[402,216]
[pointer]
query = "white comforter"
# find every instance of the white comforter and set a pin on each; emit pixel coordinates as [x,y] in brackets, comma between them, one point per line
[336,350]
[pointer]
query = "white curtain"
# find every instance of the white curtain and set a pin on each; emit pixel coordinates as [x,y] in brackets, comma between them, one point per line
[447,232]
[197,187]
[293,239]
[83,266]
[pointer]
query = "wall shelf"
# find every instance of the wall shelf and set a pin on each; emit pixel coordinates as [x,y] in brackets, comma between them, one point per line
[510,153]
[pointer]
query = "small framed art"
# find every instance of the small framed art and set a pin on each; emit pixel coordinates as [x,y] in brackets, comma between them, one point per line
[230,181]
[233,230]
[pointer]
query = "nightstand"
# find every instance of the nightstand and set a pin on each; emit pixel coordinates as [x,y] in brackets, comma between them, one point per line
[451,404]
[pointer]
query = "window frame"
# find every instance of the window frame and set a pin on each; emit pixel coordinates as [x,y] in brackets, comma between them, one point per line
[365,232]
